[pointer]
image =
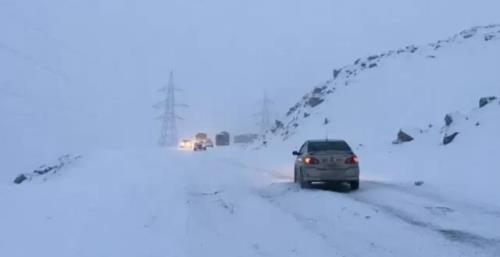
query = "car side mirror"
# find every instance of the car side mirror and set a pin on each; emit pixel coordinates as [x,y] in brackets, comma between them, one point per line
[296,153]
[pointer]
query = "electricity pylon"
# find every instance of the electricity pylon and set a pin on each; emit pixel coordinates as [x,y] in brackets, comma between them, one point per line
[265,115]
[168,133]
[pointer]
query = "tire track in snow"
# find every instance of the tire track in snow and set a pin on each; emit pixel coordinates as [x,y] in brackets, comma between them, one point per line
[315,225]
[312,225]
[434,196]
[227,218]
[469,242]
[488,244]
[455,235]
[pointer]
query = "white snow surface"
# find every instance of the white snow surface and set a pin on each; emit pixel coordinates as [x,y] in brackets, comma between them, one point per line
[231,202]
[141,201]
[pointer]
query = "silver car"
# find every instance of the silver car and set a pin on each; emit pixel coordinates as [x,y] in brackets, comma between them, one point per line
[326,161]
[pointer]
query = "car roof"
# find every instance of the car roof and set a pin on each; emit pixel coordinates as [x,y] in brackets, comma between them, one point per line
[324,140]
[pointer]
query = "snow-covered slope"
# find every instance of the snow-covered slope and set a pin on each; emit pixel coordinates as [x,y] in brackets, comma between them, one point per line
[413,89]
[414,85]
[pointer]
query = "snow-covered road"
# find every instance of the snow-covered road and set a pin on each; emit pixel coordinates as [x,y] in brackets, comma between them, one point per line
[247,209]
[231,203]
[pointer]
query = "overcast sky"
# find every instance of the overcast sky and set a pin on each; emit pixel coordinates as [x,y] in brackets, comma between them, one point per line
[112,55]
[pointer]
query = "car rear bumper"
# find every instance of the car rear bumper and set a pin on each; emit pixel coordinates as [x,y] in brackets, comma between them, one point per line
[325,175]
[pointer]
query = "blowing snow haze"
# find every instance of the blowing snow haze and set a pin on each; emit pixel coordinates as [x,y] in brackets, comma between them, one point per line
[79,78]
[105,59]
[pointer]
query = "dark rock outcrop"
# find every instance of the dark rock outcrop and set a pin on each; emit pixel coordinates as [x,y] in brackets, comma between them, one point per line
[418,183]
[292,110]
[46,170]
[20,179]
[489,37]
[449,138]
[278,124]
[403,137]
[336,73]
[486,100]
[411,49]
[448,119]
[319,90]
[314,101]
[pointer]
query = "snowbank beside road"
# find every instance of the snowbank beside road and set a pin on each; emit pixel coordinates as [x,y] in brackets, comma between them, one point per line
[111,203]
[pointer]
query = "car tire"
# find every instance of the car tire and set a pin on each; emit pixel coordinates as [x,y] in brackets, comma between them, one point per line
[294,175]
[302,182]
[354,185]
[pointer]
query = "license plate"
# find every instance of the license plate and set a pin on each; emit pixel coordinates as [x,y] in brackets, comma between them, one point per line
[336,160]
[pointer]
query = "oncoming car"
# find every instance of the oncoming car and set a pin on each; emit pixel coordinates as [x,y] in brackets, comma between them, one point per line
[199,146]
[326,161]
[186,144]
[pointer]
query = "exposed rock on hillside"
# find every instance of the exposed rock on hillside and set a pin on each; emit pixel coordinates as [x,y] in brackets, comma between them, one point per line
[448,119]
[449,138]
[403,137]
[344,76]
[45,170]
[486,100]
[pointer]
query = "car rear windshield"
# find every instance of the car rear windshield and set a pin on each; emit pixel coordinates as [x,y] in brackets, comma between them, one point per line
[329,146]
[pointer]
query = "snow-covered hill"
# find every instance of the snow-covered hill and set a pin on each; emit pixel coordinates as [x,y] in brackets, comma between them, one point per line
[413,85]
[413,89]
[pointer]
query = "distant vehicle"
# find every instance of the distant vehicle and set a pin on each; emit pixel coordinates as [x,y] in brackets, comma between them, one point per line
[201,137]
[222,139]
[186,144]
[198,146]
[245,138]
[326,161]
[209,143]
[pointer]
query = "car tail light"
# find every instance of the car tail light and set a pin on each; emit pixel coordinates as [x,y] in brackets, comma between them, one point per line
[311,160]
[352,160]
